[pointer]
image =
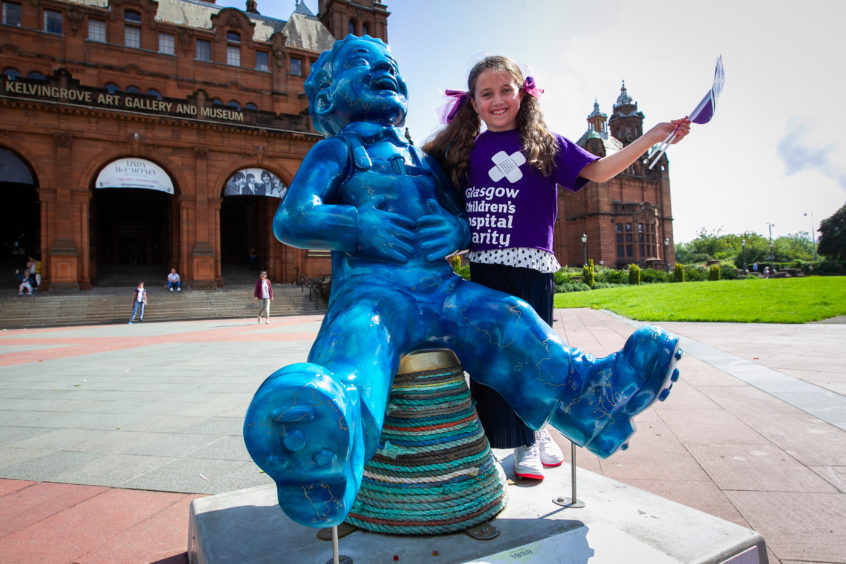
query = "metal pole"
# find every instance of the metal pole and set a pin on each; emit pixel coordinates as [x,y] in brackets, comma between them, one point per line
[772,264]
[573,501]
[335,555]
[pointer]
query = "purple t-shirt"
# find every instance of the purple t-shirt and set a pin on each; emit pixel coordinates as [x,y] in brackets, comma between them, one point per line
[510,203]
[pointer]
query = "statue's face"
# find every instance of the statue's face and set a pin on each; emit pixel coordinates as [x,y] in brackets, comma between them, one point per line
[367,86]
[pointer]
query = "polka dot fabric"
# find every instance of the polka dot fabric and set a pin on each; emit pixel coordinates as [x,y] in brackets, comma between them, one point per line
[521,257]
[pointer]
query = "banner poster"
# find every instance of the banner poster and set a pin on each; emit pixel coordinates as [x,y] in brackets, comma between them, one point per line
[135,173]
[255,182]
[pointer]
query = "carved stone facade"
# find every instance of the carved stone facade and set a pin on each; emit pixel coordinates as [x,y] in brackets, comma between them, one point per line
[627,219]
[191,89]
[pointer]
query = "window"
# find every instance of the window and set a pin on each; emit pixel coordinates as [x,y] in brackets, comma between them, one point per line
[625,247]
[365,30]
[52,21]
[296,66]
[132,29]
[203,50]
[133,90]
[233,55]
[154,92]
[35,75]
[11,73]
[166,43]
[111,87]
[352,27]
[97,31]
[233,37]
[234,104]
[12,13]
[262,61]
[250,106]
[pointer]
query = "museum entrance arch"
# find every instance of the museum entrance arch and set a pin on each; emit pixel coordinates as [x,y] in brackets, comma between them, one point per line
[133,232]
[20,217]
[250,199]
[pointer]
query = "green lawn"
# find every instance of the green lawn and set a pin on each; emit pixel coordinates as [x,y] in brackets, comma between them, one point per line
[783,300]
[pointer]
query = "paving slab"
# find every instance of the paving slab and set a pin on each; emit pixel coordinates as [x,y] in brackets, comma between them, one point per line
[619,523]
[123,386]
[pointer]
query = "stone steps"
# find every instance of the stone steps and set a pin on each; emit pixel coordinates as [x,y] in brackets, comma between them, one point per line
[114,305]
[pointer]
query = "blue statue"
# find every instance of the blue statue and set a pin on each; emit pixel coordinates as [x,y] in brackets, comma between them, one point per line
[390,216]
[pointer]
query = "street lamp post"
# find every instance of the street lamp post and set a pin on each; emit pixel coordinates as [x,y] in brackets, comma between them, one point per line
[743,246]
[813,236]
[667,252]
[584,246]
[772,265]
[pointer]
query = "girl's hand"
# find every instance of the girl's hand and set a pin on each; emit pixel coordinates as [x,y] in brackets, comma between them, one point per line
[664,129]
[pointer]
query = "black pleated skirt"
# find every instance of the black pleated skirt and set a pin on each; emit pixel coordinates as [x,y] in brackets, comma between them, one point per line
[502,426]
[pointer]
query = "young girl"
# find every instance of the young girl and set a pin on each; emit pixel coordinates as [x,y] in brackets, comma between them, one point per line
[507,177]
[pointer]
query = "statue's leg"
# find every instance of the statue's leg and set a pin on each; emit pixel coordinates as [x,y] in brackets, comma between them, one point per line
[503,344]
[312,426]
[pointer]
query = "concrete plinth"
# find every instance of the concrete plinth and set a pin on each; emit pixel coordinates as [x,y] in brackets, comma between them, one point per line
[619,523]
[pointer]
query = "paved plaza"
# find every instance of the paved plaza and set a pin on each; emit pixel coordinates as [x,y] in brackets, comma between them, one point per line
[108,432]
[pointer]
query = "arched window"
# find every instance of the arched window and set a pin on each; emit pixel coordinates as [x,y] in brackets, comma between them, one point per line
[111,87]
[352,27]
[217,102]
[234,104]
[154,92]
[36,76]
[250,106]
[365,29]
[11,73]
[133,90]
[233,37]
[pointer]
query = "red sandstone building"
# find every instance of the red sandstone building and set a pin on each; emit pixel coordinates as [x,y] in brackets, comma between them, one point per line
[140,135]
[627,219]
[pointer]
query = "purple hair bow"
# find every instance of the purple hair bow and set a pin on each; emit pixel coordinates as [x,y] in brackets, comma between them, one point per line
[452,106]
[530,88]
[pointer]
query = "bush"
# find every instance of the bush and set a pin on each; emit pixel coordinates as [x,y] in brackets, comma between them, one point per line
[463,271]
[567,275]
[589,273]
[695,273]
[714,272]
[634,275]
[678,272]
[830,267]
[609,276]
[728,271]
[572,287]
[651,276]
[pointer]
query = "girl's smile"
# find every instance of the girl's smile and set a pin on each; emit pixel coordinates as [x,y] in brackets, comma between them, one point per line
[497,99]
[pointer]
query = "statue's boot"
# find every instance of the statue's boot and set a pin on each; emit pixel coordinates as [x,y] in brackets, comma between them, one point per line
[616,388]
[304,430]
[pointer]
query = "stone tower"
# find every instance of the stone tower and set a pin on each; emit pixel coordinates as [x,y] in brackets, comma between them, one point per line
[626,122]
[357,17]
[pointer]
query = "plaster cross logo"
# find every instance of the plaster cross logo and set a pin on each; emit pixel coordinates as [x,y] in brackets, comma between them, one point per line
[507,166]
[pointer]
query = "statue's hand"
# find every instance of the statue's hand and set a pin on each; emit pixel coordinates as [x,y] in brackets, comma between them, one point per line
[383,235]
[439,232]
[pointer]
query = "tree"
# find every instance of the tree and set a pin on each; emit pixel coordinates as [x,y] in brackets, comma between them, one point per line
[832,242]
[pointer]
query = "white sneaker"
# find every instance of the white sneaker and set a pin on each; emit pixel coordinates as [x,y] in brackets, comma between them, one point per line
[171,289]
[550,452]
[527,462]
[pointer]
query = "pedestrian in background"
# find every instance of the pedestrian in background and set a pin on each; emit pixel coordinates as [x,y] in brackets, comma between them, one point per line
[139,303]
[263,292]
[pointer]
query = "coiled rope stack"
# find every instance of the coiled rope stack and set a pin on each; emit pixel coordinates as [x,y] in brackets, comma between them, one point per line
[435,472]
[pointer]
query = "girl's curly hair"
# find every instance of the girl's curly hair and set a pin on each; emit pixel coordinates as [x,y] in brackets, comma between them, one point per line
[451,146]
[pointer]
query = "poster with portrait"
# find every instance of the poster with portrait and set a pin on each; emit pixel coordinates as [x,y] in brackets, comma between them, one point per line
[255,182]
[134,173]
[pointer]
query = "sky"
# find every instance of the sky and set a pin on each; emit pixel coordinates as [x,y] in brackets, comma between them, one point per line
[773,157]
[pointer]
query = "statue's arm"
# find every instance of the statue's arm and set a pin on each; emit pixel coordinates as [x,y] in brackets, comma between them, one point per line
[309,216]
[444,230]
